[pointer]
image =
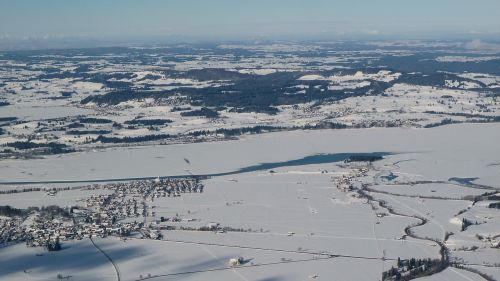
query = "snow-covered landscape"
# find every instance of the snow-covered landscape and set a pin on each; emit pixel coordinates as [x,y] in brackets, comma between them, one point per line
[327,160]
[329,217]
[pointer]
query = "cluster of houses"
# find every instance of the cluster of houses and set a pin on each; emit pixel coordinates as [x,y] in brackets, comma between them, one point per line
[97,216]
[157,188]
[38,230]
[10,230]
[129,199]
[346,183]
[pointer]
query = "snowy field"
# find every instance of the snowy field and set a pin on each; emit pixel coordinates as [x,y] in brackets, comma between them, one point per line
[293,223]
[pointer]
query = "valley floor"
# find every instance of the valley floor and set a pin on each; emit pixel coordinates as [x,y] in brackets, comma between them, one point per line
[327,221]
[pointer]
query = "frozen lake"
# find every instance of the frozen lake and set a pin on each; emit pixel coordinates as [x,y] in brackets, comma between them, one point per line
[463,150]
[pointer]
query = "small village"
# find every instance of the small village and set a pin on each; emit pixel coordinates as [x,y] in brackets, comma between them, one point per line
[125,211]
[121,213]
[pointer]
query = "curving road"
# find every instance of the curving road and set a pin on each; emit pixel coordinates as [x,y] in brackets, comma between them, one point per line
[118,278]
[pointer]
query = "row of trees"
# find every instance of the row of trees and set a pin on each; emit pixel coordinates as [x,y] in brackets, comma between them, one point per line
[145,138]
[148,122]
[204,112]
[226,132]
[8,211]
[50,211]
[413,268]
[93,120]
[495,205]
[88,132]
[50,147]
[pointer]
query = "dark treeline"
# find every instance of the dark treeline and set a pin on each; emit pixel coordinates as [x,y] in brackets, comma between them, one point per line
[51,147]
[88,132]
[180,108]
[240,131]
[30,189]
[231,132]
[204,112]
[33,189]
[7,119]
[75,125]
[435,79]
[412,269]
[4,103]
[116,97]
[326,125]
[492,197]
[467,115]
[363,158]
[92,120]
[8,211]
[446,121]
[268,110]
[148,122]
[225,132]
[265,128]
[51,211]
[145,138]
[495,205]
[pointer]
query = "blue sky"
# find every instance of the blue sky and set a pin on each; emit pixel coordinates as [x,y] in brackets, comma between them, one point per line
[240,19]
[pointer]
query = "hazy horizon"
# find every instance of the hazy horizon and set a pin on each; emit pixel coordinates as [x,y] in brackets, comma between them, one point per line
[54,22]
